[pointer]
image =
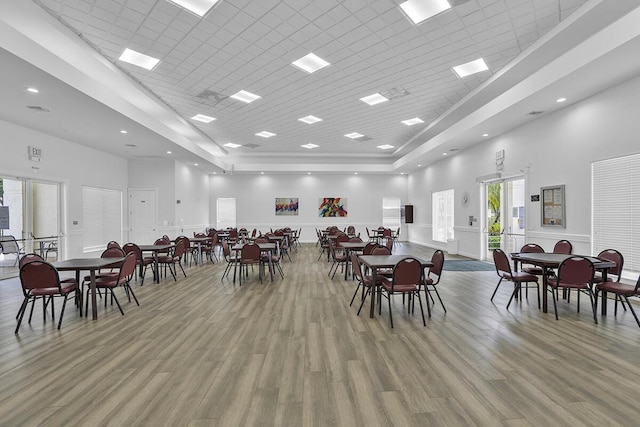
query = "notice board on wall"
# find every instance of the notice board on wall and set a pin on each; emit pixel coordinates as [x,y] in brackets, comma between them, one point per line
[553,206]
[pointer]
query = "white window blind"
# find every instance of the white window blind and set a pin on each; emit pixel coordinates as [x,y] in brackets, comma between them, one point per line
[615,208]
[391,212]
[225,212]
[101,217]
[442,210]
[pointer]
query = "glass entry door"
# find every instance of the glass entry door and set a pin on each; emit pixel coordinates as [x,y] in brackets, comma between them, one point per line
[505,216]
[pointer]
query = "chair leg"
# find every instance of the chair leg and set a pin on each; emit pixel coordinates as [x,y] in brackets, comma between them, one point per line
[496,289]
[389,304]
[132,294]
[442,304]
[555,306]
[64,304]
[417,295]
[23,309]
[593,305]
[635,316]
[364,298]
[517,286]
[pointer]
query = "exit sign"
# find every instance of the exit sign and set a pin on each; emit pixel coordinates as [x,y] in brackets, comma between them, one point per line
[35,154]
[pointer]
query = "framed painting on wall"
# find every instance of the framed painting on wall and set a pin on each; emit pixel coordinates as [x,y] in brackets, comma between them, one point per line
[332,207]
[286,206]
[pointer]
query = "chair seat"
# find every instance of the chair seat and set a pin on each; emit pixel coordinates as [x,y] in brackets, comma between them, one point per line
[103,274]
[39,292]
[520,276]
[553,282]
[618,288]
[167,259]
[536,271]
[387,284]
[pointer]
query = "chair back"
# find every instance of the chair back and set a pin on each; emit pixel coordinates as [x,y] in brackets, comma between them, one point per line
[342,238]
[355,266]
[355,240]
[501,262]
[29,258]
[9,244]
[368,248]
[407,272]
[262,240]
[563,247]
[112,253]
[180,247]
[226,250]
[613,256]
[113,244]
[386,233]
[128,268]
[38,275]
[437,259]
[250,253]
[129,248]
[351,230]
[187,242]
[381,250]
[531,248]
[576,270]
[389,243]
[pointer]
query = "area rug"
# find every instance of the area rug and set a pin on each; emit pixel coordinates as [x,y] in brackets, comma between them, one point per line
[468,265]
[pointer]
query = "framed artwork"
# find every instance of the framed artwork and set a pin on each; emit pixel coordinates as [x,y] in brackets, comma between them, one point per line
[286,206]
[332,207]
[553,208]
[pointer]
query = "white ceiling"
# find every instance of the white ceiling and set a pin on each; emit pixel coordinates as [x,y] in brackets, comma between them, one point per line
[535,49]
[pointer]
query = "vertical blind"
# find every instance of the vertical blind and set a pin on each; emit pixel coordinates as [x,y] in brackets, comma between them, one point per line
[615,208]
[101,216]
[391,212]
[442,212]
[225,212]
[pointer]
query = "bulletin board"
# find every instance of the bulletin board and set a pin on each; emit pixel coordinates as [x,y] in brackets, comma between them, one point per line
[553,206]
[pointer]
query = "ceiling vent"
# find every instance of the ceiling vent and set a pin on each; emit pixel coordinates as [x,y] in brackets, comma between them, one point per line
[211,96]
[363,138]
[535,113]
[38,108]
[394,92]
[251,145]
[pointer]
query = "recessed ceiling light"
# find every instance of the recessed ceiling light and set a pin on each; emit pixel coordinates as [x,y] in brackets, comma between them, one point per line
[32,89]
[202,118]
[308,173]
[374,99]
[232,145]
[471,67]
[354,135]
[413,121]
[310,119]
[199,7]
[385,146]
[420,10]
[310,63]
[123,131]
[561,99]
[401,173]
[261,173]
[168,152]
[245,96]
[419,166]
[355,173]
[195,164]
[485,134]
[265,134]
[444,154]
[139,59]
[310,146]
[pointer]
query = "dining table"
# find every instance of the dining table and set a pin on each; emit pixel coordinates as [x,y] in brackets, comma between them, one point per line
[264,247]
[91,265]
[376,262]
[348,247]
[155,250]
[549,261]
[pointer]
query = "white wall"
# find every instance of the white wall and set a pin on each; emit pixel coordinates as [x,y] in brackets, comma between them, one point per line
[192,189]
[63,161]
[559,148]
[255,199]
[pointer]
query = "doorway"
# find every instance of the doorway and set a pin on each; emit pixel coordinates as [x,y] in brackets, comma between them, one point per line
[505,217]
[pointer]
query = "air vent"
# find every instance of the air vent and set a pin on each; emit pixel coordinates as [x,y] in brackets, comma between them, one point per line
[363,139]
[130,145]
[212,96]
[251,145]
[454,149]
[394,92]
[535,113]
[38,108]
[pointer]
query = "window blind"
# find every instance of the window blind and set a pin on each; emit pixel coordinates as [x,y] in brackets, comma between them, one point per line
[442,213]
[225,212]
[101,216]
[615,208]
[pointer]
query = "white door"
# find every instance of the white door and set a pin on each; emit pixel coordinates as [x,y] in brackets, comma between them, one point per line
[143,211]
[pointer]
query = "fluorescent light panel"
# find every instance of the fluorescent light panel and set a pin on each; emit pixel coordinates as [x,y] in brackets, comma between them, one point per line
[265,134]
[245,96]
[232,145]
[374,99]
[202,118]
[354,135]
[310,146]
[310,63]
[199,7]
[385,146]
[471,67]
[413,121]
[310,119]
[139,59]
[421,10]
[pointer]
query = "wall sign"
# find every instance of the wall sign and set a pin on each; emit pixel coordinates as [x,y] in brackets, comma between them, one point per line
[4,218]
[35,154]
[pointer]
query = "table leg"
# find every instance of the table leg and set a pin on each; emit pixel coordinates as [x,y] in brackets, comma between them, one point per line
[544,289]
[374,279]
[271,264]
[200,252]
[94,302]
[156,269]
[603,310]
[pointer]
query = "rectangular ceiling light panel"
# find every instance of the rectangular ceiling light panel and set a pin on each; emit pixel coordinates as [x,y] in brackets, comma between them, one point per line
[421,10]
[413,121]
[310,146]
[202,118]
[354,135]
[374,99]
[310,120]
[471,67]
[310,63]
[199,7]
[385,146]
[232,145]
[265,134]
[139,59]
[245,96]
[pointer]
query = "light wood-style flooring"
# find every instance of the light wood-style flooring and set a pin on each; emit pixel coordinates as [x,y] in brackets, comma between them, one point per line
[292,352]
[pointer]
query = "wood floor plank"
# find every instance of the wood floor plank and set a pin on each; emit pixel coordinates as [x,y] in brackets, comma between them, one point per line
[292,352]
